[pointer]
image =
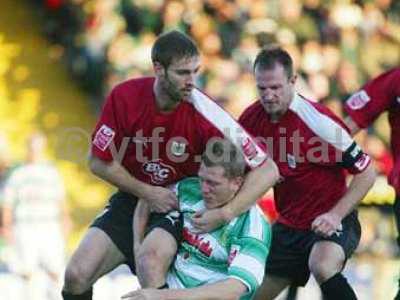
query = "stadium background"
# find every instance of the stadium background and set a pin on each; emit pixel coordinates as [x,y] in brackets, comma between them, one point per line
[58,58]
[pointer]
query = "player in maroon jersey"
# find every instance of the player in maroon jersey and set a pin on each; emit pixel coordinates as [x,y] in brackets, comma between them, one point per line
[379,95]
[317,229]
[149,136]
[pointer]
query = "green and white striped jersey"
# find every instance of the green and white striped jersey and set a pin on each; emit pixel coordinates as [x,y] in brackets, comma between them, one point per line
[237,250]
[34,191]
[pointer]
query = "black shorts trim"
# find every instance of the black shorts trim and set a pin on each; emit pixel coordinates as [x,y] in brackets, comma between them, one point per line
[290,248]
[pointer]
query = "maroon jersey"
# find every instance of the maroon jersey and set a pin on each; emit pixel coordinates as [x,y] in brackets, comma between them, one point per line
[379,95]
[155,147]
[312,149]
[161,148]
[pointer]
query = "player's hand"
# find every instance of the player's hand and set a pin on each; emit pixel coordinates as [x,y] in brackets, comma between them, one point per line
[207,220]
[144,294]
[327,224]
[162,200]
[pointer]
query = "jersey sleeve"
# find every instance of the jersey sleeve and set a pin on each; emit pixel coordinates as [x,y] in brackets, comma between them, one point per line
[249,250]
[253,154]
[330,142]
[374,98]
[109,132]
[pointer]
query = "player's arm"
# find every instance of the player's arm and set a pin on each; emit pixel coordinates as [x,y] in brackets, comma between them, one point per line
[107,152]
[228,289]
[328,223]
[161,199]
[358,188]
[6,215]
[9,196]
[359,164]
[257,182]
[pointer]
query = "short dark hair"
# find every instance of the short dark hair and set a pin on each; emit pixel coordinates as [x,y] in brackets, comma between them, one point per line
[221,152]
[173,45]
[270,56]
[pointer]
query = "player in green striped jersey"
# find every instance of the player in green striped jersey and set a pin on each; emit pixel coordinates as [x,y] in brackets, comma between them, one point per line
[227,263]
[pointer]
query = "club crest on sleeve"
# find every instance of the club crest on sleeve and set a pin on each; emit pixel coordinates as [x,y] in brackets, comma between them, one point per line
[103,137]
[248,148]
[358,100]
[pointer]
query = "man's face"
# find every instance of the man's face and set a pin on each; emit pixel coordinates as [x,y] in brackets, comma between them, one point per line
[178,80]
[276,90]
[217,189]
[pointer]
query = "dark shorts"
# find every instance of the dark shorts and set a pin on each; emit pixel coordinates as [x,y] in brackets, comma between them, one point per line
[290,248]
[116,221]
[171,222]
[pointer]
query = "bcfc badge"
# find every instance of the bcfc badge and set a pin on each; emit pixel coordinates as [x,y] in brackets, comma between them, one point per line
[291,161]
[178,149]
[358,100]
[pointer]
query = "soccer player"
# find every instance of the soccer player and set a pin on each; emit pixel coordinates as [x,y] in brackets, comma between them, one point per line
[228,262]
[34,218]
[317,229]
[149,136]
[375,97]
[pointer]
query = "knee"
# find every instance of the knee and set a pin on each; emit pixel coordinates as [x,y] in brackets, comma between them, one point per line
[76,280]
[322,271]
[149,258]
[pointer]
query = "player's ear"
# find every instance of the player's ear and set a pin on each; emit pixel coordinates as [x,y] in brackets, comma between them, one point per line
[293,79]
[159,69]
[237,182]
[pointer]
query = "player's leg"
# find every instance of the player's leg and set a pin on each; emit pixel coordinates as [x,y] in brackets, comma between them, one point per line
[95,256]
[287,261]
[271,287]
[326,262]
[328,257]
[107,244]
[158,249]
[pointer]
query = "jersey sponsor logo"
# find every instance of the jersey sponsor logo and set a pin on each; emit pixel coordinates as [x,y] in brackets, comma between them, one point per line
[362,162]
[178,149]
[358,100]
[158,171]
[291,160]
[249,149]
[103,137]
[197,242]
